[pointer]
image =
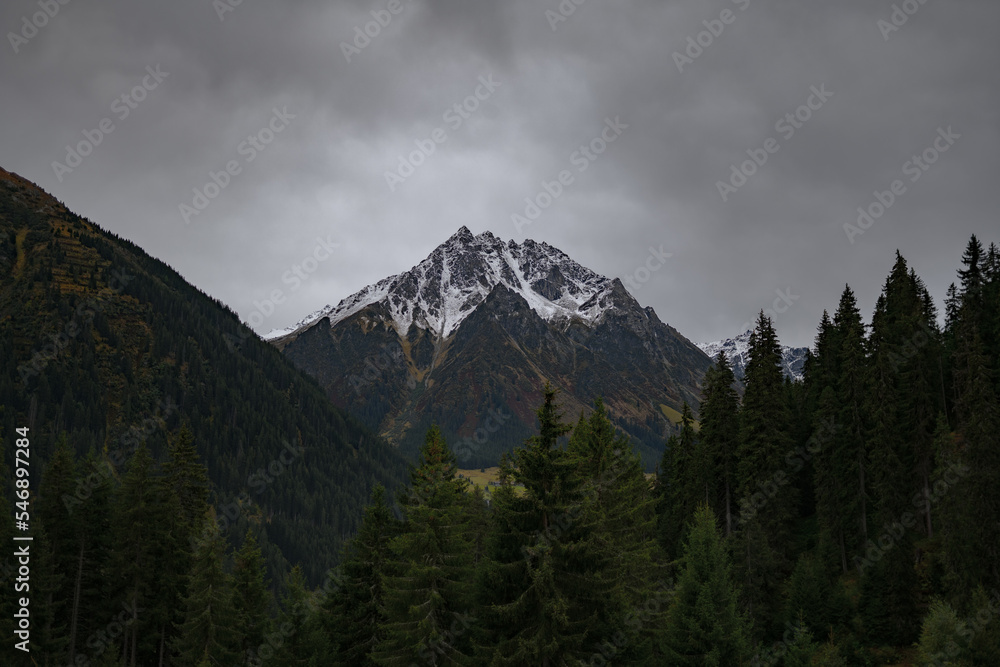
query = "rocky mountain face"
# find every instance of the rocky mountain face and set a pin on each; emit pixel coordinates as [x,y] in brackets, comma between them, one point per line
[737,350]
[469,336]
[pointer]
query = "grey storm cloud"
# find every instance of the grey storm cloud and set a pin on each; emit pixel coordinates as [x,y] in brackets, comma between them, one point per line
[255,162]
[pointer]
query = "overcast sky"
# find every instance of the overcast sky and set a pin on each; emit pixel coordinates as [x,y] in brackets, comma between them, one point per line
[340,108]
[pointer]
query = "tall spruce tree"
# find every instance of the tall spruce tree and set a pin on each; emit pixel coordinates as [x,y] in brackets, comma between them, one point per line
[679,488]
[902,408]
[839,430]
[625,526]
[972,525]
[141,517]
[206,632]
[541,585]
[187,478]
[354,615]
[429,574]
[251,597]
[718,440]
[767,497]
[704,624]
[300,639]
[185,489]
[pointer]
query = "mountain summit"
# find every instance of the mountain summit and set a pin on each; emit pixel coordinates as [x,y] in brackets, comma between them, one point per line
[468,337]
[441,291]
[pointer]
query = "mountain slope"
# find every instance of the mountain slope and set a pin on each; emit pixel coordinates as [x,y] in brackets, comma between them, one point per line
[737,350]
[103,342]
[468,337]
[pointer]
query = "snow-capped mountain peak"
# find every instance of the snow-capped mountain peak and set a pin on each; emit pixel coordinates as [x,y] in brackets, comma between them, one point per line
[737,351]
[442,290]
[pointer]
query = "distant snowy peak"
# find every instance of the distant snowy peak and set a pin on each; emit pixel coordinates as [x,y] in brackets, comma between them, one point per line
[441,291]
[737,351]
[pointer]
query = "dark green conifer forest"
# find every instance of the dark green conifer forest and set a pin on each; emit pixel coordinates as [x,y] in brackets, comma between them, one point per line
[850,519]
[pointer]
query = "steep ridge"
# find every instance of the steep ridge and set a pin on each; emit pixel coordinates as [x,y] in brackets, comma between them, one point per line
[468,337]
[111,347]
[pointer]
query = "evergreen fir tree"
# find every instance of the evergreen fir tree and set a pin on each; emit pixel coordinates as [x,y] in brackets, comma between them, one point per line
[93,603]
[704,625]
[902,407]
[427,585]
[845,440]
[802,648]
[251,597]
[972,526]
[184,485]
[813,599]
[625,526]
[353,614]
[209,620]
[48,639]
[299,639]
[679,489]
[767,498]
[186,477]
[718,440]
[142,542]
[839,431]
[541,587]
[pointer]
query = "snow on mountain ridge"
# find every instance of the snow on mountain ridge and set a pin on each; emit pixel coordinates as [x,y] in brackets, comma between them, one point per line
[737,351]
[443,289]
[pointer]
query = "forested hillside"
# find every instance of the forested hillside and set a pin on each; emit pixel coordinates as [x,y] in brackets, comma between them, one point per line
[113,353]
[849,519]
